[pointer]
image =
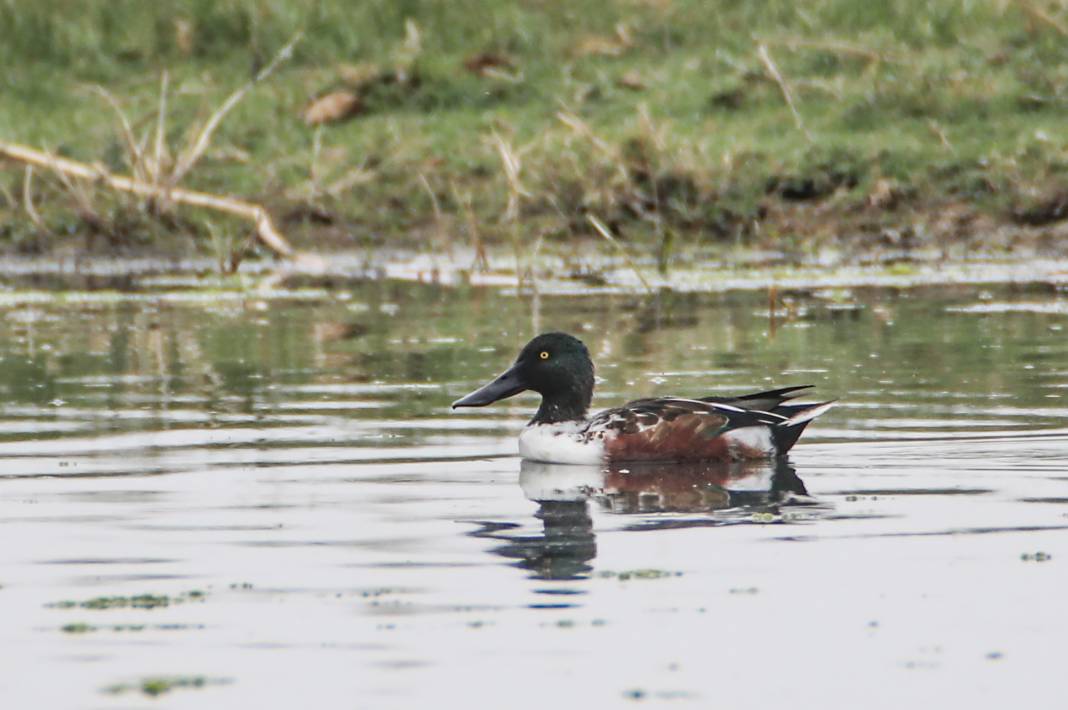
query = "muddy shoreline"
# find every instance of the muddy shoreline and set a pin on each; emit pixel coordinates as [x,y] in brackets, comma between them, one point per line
[547,273]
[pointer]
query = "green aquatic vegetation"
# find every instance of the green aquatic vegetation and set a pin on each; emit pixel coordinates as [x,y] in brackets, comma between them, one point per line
[160,685]
[1036,557]
[137,601]
[638,574]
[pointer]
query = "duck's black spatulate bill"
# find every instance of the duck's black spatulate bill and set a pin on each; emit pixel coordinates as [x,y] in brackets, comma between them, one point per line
[507,384]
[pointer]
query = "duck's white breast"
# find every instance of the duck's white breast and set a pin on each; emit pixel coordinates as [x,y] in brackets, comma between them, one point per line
[560,443]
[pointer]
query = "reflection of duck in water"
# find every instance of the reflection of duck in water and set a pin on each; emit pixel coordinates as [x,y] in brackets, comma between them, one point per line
[562,551]
[667,488]
[558,366]
[563,492]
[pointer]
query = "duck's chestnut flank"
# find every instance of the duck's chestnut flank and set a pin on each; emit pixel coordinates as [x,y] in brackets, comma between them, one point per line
[559,368]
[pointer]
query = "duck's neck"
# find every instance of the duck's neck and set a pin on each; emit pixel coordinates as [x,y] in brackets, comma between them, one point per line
[562,407]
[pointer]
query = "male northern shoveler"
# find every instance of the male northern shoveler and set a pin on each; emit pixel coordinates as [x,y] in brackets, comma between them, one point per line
[558,367]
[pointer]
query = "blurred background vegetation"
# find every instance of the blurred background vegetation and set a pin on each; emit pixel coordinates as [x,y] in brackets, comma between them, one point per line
[467,122]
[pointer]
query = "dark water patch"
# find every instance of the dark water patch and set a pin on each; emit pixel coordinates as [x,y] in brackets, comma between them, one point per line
[411,565]
[99,580]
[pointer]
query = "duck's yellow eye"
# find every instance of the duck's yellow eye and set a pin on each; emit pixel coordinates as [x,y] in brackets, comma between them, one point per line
[544,354]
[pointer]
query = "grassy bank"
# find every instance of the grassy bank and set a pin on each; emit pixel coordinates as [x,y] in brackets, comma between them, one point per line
[913,123]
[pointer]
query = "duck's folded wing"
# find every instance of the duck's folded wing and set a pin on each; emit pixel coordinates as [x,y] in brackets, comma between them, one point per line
[674,429]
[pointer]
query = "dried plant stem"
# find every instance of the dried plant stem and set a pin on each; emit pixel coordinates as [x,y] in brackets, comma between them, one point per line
[27,198]
[256,214]
[940,135]
[136,156]
[190,157]
[481,259]
[834,47]
[512,168]
[1043,17]
[776,76]
[439,227]
[161,122]
[605,232]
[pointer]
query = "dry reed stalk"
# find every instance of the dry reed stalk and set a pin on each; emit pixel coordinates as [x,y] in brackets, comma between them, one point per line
[149,177]
[940,134]
[1042,17]
[605,232]
[9,197]
[512,168]
[776,76]
[481,260]
[440,235]
[835,47]
[27,198]
[355,176]
[161,123]
[188,159]
[581,128]
[135,156]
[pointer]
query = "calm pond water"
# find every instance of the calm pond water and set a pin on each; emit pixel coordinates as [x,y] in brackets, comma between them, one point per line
[319,530]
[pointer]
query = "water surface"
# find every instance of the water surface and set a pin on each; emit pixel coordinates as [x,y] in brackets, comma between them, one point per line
[286,473]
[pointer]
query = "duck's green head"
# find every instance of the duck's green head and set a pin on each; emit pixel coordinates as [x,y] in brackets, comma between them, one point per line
[555,365]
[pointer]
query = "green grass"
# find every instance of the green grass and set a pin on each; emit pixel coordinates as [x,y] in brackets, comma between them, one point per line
[946,103]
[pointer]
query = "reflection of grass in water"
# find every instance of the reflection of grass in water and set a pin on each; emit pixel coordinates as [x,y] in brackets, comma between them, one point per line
[138,601]
[164,684]
[200,296]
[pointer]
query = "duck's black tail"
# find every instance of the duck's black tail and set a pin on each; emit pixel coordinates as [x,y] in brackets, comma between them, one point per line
[787,432]
[770,401]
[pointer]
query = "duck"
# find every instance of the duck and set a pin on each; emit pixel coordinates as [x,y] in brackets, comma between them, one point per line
[556,365]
